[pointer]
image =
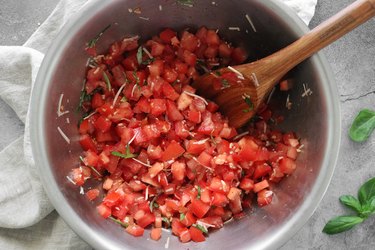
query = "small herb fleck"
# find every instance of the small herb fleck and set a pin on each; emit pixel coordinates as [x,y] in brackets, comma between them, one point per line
[225,83]
[123,224]
[106,79]
[140,55]
[186,2]
[218,73]
[153,204]
[199,192]
[92,42]
[202,228]
[166,220]
[182,216]
[137,81]
[249,103]
[127,154]
[123,99]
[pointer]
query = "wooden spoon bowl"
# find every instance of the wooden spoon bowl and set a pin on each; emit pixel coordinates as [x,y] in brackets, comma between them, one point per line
[240,99]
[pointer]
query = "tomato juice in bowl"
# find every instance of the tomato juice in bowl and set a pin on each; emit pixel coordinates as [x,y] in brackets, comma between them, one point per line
[313,118]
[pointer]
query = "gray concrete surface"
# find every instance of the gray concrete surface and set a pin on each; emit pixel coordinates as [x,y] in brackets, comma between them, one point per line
[353,62]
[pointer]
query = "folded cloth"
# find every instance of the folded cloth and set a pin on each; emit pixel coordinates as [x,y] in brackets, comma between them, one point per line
[26,221]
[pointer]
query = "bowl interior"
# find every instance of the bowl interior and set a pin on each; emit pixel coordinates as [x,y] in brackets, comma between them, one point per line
[313,118]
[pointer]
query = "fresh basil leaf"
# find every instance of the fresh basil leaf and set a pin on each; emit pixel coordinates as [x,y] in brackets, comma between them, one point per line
[140,55]
[351,202]
[341,224]
[367,192]
[362,126]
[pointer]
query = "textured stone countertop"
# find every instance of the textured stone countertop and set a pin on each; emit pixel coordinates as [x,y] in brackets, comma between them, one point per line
[352,59]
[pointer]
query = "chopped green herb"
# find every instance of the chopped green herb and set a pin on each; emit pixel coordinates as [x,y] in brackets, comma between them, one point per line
[123,99]
[127,154]
[249,103]
[225,83]
[119,222]
[213,138]
[140,55]
[202,228]
[153,204]
[182,216]
[166,220]
[186,2]
[92,63]
[148,61]
[199,192]
[92,42]
[137,81]
[106,79]
[84,97]
[218,73]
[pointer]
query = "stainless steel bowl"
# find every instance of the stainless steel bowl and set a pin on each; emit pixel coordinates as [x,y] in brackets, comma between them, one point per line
[315,118]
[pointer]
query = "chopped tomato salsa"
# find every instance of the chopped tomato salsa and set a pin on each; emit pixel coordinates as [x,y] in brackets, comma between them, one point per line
[165,156]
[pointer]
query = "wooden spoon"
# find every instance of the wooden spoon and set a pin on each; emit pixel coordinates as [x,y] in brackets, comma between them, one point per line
[259,77]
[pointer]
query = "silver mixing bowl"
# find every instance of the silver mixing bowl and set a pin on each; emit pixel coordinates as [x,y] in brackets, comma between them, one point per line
[314,118]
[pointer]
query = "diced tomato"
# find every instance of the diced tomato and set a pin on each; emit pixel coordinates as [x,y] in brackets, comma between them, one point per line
[196,234]
[146,220]
[247,184]
[214,221]
[103,124]
[199,208]
[287,165]
[103,210]
[173,151]
[196,147]
[111,199]
[178,170]
[158,106]
[260,186]
[178,164]
[205,159]
[177,227]
[92,194]
[155,233]
[185,236]
[135,230]
[189,41]
[264,197]
[87,143]
[167,34]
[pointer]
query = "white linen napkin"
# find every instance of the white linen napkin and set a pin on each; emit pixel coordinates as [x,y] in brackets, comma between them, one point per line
[26,221]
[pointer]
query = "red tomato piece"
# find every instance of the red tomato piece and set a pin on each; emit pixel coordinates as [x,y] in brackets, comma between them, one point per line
[173,151]
[287,165]
[260,186]
[199,208]
[135,230]
[167,34]
[92,194]
[155,233]
[103,210]
[264,197]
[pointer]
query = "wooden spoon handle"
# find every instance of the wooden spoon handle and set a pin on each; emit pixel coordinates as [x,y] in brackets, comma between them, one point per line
[325,34]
